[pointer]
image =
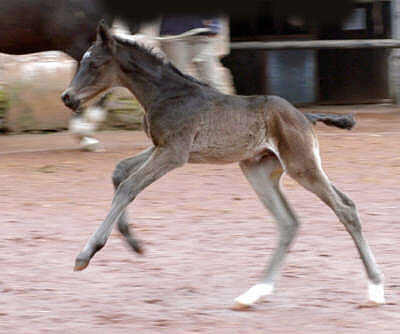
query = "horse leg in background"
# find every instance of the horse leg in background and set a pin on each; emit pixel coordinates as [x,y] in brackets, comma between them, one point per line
[264,176]
[85,123]
[125,168]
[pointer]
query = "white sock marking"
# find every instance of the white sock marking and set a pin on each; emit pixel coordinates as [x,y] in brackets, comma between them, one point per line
[254,294]
[376,293]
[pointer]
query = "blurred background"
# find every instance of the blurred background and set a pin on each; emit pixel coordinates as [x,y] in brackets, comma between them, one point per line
[31,82]
[205,234]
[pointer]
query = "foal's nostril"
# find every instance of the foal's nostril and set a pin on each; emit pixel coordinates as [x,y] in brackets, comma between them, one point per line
[65,97]
[69,101]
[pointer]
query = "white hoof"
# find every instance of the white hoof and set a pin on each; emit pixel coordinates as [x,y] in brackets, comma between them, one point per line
[254,294]
[91,145]
[376,293]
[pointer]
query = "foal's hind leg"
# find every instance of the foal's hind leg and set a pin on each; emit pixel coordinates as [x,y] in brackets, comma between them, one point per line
[264,176]
[313,178]
[122,171]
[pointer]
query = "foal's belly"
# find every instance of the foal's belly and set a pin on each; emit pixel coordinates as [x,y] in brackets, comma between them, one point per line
[226,149]
[226,135]
[220,158]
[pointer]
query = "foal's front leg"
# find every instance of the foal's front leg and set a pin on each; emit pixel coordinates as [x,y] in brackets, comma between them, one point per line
[161,161]
[123,170]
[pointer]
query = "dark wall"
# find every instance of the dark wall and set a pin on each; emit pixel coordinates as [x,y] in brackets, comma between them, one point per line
[247,68]
[357,75]
[336,76]
[353,76]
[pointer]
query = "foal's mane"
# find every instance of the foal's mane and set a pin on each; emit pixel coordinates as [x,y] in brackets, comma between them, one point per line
[155,53]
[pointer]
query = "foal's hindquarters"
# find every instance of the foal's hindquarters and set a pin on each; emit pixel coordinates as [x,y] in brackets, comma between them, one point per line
[294,150]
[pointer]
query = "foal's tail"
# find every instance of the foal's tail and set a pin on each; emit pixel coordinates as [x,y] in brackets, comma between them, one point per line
[340,121]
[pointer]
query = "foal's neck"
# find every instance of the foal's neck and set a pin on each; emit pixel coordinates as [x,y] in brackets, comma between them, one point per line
[150,78]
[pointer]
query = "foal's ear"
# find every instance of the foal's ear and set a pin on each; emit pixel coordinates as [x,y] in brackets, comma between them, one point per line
[104,33]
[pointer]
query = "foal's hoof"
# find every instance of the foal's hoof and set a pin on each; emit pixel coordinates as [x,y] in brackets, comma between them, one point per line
[369,304]
[136,246]
[376,293]
[80,264]
[237,306]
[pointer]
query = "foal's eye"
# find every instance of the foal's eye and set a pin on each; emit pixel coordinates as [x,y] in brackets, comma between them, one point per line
[93,65]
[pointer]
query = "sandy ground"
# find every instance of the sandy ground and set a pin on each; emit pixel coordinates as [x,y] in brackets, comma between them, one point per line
[206,238]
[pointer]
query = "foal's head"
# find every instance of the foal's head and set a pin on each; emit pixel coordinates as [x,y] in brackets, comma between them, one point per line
[96,72]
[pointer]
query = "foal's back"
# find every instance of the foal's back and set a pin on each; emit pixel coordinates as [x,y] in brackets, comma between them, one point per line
[238,127]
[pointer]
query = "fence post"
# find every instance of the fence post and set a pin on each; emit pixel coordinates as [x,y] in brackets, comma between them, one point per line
[394,59]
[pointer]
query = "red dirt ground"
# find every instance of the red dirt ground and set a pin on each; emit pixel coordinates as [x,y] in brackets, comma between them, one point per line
[206,237]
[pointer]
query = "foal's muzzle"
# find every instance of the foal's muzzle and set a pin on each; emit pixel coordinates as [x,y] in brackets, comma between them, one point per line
[70,101]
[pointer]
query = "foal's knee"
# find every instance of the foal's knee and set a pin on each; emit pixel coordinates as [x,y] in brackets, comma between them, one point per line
[124,193]
[119,174]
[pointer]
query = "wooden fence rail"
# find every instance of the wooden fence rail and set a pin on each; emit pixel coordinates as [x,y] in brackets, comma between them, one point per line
[393,44]
[319,44]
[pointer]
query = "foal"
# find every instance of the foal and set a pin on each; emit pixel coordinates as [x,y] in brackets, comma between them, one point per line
[190,122]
